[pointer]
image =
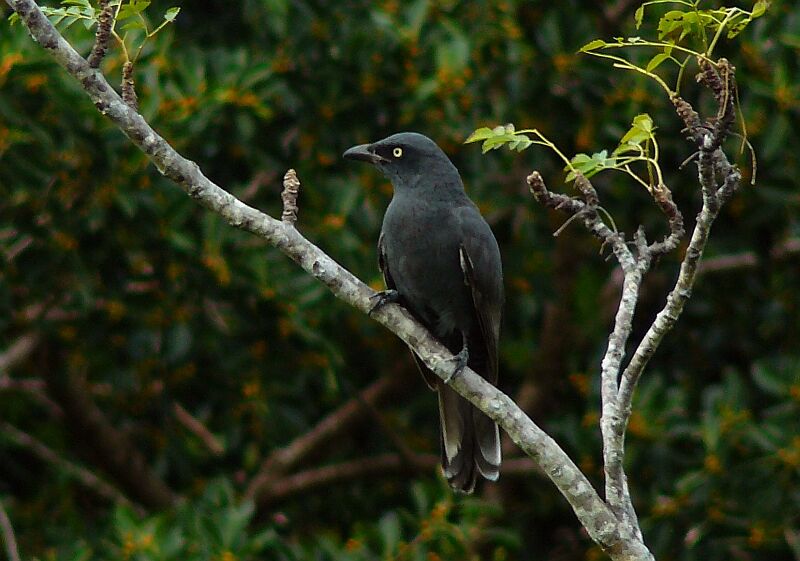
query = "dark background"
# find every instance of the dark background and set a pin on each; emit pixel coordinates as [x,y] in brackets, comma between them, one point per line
[136,299]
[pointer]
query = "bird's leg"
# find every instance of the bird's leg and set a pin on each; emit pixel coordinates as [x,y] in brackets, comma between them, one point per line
[380,299]
[461,359]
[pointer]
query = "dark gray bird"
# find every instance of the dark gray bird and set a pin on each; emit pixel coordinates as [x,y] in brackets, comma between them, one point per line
[440,260]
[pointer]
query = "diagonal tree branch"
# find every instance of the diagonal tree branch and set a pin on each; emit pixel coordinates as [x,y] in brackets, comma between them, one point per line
[9,538]
[600,522]
[197,428]
[345,471]
[282,460]
[47,454]
[105,444]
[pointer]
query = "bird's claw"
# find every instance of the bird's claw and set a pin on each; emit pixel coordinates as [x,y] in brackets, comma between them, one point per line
[380,299]
[461,360]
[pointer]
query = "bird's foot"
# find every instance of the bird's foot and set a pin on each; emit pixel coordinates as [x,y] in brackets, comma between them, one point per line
[461,360]
[380,299]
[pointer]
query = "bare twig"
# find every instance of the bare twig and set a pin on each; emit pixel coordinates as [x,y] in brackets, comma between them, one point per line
[18,351]
[197,428]
[375,466]
[103,34]
[35,388]
[382,465]
[50,456]
[284,459]
[129,86]
[9,539]
[748,259]
[663,197]
[291,188]
[105,444]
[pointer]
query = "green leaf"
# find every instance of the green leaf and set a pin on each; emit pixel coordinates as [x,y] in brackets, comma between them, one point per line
[656,60]
[496,142]
[638,15]
[172,13]
[759,9]
[578,159]
[641,130]
[521,144]
[479,134]
[134,8]
[643,121]
[592,46]
[670,22]
[133,24]
[69,21]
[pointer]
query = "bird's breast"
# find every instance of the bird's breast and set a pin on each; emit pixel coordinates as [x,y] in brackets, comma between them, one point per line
[421,246]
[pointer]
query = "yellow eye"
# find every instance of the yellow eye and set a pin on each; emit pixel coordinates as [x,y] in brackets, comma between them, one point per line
[397,152]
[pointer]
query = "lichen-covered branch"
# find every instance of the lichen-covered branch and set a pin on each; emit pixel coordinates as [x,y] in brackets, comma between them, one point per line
[597,518]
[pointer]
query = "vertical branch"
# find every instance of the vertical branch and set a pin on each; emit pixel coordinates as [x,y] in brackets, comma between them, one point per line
[613,440]
[103,34]
[129,87]
[713,167]
[291,189]
[634,266]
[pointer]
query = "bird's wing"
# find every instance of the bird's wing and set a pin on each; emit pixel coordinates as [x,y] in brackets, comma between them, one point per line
[480,262]
[383,264]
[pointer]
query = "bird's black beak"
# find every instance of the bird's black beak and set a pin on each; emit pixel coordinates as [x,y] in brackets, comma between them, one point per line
[363,153]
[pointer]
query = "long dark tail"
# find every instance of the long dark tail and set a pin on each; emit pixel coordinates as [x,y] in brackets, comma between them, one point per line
[470,442]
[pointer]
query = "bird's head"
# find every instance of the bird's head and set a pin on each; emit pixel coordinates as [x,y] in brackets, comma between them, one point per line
[406,158]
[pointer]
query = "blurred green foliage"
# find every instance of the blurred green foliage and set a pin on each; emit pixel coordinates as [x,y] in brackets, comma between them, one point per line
[127,282]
